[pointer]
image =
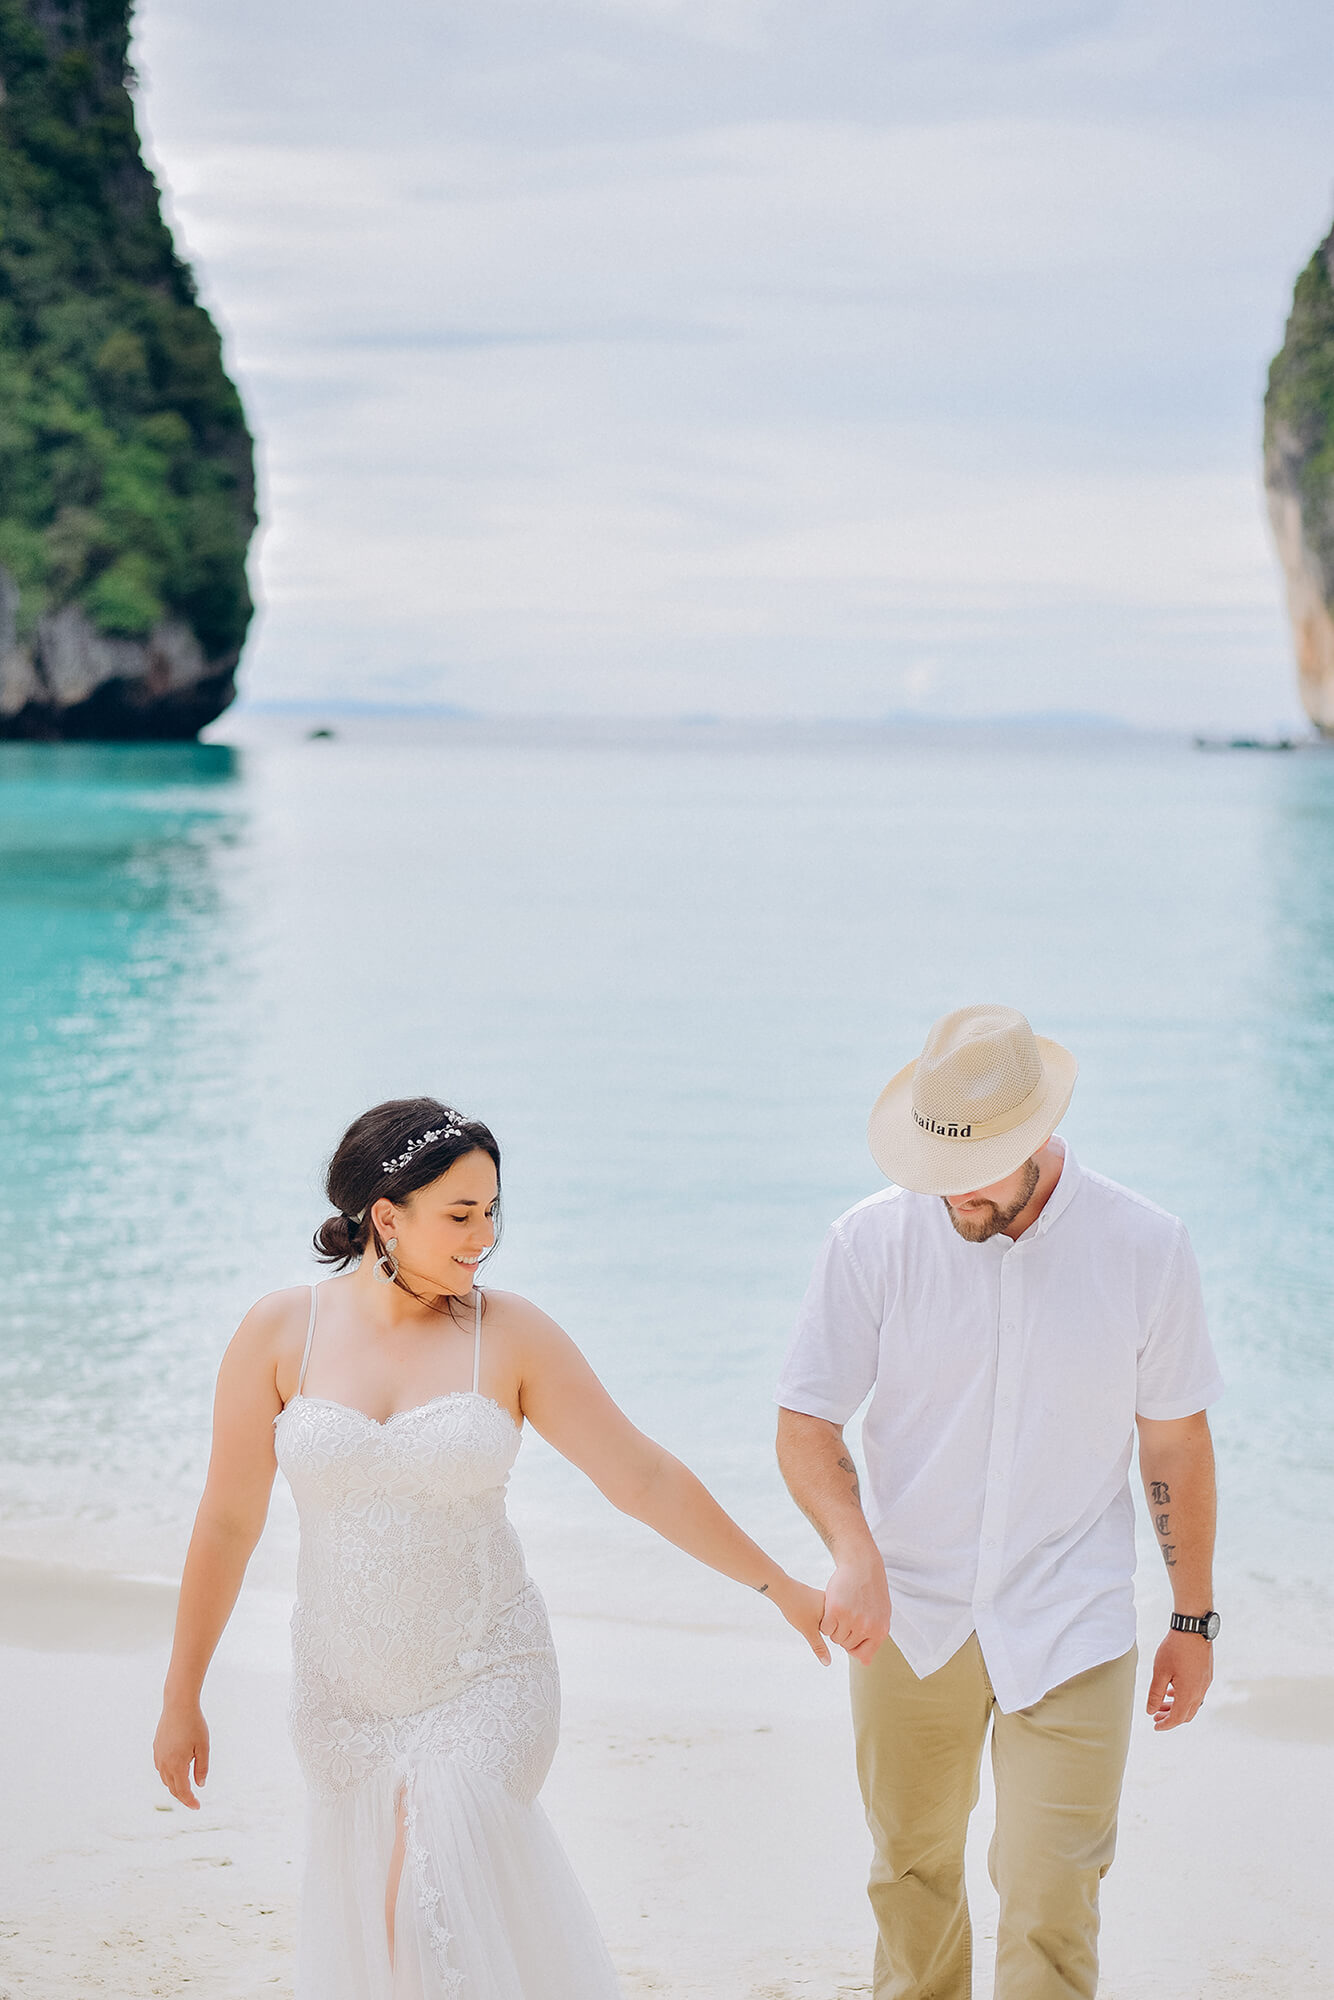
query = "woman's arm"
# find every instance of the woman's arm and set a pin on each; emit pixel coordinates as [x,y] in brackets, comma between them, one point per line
[229,1523]
[1176,1463]
[564,1400]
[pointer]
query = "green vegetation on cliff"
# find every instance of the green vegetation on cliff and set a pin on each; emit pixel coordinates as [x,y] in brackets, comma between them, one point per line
[126,481]
[1299,404]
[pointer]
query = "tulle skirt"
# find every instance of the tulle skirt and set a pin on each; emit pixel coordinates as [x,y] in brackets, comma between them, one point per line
[488,1907]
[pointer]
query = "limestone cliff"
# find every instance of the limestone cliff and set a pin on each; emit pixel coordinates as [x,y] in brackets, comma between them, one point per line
[126,474]
[1299,478]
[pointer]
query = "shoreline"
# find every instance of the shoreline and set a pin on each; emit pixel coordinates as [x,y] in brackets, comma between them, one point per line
[704,1789]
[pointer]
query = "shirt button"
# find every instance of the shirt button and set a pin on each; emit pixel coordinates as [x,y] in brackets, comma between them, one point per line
[988,1541]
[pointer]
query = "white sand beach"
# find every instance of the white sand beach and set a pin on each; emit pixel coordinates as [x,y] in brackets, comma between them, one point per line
[704,1788]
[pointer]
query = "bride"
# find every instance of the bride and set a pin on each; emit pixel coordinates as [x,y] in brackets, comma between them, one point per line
[426,1701]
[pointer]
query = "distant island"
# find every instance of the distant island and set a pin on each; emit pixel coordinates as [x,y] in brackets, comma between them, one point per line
[126,466]
[1299,478]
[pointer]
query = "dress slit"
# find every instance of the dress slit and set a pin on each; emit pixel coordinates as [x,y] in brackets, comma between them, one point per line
[393,1887]
[417,1876]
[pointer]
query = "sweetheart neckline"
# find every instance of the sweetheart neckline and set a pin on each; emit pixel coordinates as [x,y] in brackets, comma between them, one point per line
[383,1423]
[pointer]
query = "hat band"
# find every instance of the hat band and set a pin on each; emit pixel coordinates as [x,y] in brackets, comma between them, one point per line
[983,1128]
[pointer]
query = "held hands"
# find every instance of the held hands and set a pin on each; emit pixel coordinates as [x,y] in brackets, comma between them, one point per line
[182,1740]
[803,1609]
[1182,1670]
[856,1608]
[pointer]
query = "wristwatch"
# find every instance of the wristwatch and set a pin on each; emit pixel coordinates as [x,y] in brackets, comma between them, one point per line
[1207,1627]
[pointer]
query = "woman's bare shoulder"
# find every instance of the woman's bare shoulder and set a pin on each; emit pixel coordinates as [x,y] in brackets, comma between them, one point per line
[274,1324]
[518,1318]
[539,1354]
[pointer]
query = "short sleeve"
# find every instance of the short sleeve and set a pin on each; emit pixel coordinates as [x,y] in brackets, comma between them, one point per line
[831,1364]
[1178,1370]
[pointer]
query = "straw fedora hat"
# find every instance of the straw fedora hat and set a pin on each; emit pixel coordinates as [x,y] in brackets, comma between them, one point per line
[980,1099]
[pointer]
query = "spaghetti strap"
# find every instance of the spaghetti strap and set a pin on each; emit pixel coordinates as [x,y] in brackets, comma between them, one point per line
[310,1335]
[477,1344]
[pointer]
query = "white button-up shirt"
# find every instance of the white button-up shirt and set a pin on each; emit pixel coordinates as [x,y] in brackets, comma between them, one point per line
[1005,1378]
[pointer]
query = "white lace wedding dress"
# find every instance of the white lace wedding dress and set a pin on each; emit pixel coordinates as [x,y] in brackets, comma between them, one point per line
[425,1685]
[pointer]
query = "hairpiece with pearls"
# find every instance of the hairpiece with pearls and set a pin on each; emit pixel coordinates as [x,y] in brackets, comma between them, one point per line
[414,1146]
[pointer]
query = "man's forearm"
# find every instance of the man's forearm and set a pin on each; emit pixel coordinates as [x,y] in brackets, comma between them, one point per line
[1176,1462]
[822,1479]
[1179,1485]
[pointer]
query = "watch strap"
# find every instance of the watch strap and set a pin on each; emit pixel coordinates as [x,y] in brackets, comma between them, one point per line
[1206,1625]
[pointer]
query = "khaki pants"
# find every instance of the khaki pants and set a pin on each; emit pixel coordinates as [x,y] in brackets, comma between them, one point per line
[1058,1768]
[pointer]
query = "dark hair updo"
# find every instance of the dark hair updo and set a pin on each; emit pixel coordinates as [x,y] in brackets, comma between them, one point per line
[365,1167]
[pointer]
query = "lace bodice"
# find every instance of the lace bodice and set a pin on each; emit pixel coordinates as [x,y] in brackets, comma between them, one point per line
[406,1551]
[411,1583]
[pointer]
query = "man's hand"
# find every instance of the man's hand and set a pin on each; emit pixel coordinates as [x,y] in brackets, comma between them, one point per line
[856,1608]
[1182,1670]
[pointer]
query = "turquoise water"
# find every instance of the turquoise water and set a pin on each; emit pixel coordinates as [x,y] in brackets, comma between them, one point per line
[672,969]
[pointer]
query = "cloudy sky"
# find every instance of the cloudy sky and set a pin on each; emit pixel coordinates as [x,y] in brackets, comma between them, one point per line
[748,357]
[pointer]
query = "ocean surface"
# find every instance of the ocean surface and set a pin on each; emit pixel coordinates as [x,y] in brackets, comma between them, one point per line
[671,966]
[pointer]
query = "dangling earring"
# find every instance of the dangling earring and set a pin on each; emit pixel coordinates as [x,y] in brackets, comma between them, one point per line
[386,1264]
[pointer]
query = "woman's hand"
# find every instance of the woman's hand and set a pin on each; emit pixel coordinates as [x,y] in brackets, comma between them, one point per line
[803,1609]
[181,1741]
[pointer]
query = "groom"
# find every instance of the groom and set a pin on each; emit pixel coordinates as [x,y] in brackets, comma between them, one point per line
[1013,1320]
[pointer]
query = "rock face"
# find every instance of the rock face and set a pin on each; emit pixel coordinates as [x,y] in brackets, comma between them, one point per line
[1299,478]
[126,468]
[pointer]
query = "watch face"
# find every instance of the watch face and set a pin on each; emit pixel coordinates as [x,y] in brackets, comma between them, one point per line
[1211,1625]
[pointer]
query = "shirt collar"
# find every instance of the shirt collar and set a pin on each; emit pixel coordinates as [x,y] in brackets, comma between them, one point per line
[1060,1197]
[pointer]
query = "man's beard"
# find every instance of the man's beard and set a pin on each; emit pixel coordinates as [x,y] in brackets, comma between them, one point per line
[986,1220]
